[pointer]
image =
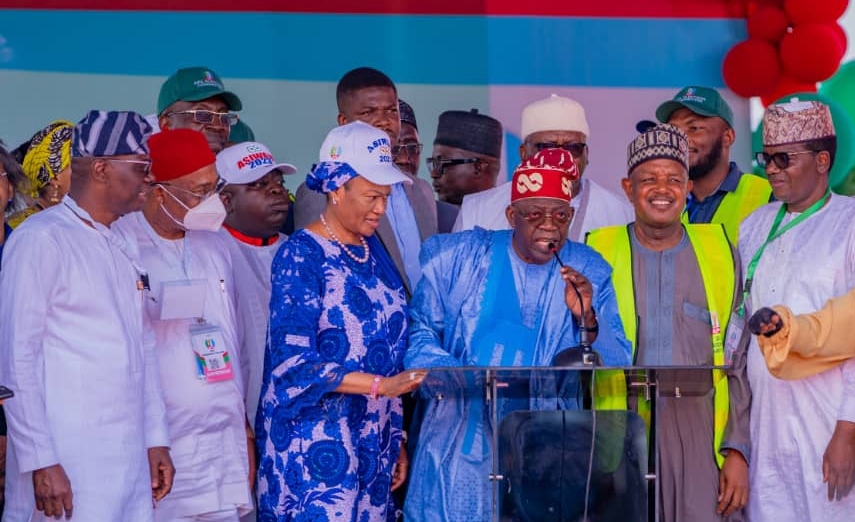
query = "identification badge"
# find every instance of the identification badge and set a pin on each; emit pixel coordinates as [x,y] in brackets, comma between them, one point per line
[734,337]
[184,299]
[213,360]
[715,326]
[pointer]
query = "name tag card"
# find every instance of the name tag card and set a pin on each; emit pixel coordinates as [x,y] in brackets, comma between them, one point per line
[183,299]
[213,360]
[734,336]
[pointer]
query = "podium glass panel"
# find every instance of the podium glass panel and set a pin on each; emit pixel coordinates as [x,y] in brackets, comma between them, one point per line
[532,453]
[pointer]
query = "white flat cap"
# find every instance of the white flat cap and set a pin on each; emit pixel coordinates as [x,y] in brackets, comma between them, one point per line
[555,113]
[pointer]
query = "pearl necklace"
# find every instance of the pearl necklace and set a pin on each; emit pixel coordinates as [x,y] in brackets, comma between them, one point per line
[347,251]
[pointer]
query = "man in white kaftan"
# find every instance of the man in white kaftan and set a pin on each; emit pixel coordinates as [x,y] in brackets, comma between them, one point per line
[87,421]
[552,122]
[191,326]
[257,205]
[802,431]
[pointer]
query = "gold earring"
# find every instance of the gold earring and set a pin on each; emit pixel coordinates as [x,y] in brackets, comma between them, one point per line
[54,196]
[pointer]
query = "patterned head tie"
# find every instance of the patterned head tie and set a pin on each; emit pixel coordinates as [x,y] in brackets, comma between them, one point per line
[664,141]
[48,154]
[328,176]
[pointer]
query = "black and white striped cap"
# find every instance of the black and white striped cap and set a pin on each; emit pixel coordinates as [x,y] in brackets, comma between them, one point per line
[110,133]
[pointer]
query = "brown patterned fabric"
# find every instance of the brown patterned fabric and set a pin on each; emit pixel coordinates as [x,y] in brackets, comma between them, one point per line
[662,141]
[796,121]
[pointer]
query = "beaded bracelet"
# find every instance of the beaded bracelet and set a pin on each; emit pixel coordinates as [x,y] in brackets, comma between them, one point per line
[375,386]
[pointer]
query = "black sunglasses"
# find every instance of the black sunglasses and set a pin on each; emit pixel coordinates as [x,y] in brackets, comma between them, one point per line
[438,164]
[781,159]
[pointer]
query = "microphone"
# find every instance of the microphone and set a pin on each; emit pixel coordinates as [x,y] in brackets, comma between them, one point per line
[582,354]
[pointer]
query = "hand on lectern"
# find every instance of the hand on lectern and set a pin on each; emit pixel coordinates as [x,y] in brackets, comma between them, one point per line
[765,321]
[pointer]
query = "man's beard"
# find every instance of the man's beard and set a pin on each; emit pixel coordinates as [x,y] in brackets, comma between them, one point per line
[705,165]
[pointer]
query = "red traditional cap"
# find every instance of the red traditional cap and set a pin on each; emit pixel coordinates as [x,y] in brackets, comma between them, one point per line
[555,158]
[176,153]
[547,174]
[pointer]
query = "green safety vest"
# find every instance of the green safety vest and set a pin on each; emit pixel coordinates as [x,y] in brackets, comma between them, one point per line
[716,263]
[751,193]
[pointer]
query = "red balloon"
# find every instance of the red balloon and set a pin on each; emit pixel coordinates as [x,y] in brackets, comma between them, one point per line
[752,5]
[768,23]
[841,34]
[786,86]
[751,68]
[812,52]
[814,11]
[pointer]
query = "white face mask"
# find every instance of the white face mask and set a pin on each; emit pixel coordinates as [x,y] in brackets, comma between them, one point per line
[208,215]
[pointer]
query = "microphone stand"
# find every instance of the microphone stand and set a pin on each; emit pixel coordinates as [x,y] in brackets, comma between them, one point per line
[582,354]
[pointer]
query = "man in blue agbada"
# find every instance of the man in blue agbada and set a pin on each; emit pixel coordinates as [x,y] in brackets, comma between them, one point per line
[500,298]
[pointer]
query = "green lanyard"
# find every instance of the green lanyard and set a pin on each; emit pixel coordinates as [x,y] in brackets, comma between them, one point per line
[774,234]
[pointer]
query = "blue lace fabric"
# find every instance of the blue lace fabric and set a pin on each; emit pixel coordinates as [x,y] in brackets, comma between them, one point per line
[327,455]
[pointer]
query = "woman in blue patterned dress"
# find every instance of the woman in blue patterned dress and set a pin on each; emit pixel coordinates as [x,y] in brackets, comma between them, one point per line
[329,422]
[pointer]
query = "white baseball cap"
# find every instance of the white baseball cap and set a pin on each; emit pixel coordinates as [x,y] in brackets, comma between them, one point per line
[366,149]
[247,162]
[555,113]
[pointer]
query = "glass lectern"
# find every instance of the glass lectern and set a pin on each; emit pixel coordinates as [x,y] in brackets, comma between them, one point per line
[548,458]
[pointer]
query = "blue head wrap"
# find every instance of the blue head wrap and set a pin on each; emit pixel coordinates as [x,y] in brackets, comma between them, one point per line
[328,176]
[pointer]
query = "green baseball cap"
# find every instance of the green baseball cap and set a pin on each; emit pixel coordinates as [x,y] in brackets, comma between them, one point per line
[194,84]
[241,132]
[700,100]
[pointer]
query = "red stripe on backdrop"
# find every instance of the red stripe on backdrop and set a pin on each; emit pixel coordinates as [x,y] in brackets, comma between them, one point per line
[574,8]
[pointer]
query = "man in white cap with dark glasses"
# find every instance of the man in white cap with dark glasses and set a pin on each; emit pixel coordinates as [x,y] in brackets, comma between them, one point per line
[553,122]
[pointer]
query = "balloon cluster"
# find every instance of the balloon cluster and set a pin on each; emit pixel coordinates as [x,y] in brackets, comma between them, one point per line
[791,45]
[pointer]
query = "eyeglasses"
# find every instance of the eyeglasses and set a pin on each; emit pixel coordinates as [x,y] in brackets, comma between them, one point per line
[575,149]
[780,159]
[412,149]
[225,119]
[438,164]
[536,216]
[145,163]
[217,188]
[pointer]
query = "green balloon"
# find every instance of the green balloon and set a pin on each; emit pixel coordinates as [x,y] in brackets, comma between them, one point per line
[847,186]
[841,88]
[757,146]
[844,158]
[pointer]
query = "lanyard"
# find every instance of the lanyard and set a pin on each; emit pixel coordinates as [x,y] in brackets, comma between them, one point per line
[774,234]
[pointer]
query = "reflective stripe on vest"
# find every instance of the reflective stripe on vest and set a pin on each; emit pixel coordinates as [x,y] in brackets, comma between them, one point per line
[715,260]
[751,193]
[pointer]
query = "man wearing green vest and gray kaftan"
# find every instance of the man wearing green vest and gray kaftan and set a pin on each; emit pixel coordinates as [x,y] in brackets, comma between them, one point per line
[676,286]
